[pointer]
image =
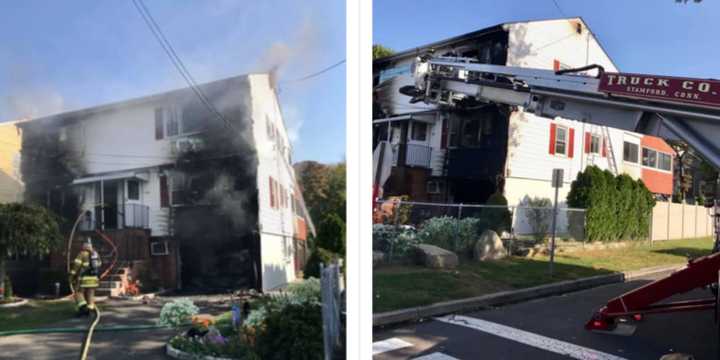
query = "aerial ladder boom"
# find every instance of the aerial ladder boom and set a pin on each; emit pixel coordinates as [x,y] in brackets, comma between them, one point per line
[673,108]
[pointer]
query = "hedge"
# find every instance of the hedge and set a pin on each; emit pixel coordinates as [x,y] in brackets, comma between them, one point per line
[618,207]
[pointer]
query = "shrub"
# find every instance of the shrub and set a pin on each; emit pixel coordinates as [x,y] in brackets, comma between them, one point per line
[293,331]
[305,291]
[618,207]
[496,219]
[449,233]
[177,313]
[539,216]
[331,234]
[319,255]
[396,241]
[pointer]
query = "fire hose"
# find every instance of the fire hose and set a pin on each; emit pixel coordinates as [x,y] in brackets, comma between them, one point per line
[85,347]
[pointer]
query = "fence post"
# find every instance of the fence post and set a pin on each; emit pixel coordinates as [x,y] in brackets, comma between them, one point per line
[396,220]
[682,223]
[457,227]
[667,222]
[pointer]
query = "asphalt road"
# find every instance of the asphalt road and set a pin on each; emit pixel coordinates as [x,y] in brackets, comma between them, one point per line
[503,332]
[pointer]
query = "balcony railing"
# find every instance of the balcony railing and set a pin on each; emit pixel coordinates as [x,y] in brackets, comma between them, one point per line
[415,155]
[126,216]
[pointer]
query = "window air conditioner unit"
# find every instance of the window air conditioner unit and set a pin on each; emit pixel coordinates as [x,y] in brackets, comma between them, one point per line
[180,146]
[159,248]
[434,187]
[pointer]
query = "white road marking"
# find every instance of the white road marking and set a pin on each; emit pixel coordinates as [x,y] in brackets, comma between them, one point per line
[391,344]
[528,338]
[436,356]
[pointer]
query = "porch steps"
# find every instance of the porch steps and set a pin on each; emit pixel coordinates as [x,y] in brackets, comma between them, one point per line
[114,284]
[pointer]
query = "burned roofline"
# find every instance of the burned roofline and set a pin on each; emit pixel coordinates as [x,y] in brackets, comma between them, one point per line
[75,114]
[477,34]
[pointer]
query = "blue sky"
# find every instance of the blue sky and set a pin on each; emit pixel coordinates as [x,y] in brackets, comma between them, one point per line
[645,36]
[58,56]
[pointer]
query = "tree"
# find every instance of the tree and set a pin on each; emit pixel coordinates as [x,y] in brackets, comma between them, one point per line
[331,234]
[27,230]
[380,51]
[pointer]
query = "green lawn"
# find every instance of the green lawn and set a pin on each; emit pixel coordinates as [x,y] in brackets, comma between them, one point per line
[36,313]
[398,287]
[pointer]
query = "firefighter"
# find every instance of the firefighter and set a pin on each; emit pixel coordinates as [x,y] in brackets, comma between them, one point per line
[84,278]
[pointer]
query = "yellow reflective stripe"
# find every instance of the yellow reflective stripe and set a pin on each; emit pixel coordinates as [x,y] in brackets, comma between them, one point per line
[72,272]
[86,264]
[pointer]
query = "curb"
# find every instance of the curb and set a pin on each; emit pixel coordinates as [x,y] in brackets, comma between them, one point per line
[14,304]
[512,296]
[178,354]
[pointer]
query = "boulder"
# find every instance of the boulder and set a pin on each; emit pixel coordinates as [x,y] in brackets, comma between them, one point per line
[435,257]
[489,247]
[378,258]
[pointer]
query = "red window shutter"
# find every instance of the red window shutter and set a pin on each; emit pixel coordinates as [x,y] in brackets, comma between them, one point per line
[159,128]
[552,139]
[164,198]
[588,141]
[272,193]
[571,143]
[604,147]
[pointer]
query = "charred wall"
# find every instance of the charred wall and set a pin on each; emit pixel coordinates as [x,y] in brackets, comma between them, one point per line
[217,225]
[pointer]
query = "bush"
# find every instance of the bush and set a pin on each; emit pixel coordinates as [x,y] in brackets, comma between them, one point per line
[305,291]
[293,331]
[319,255]
[450,234]
[496,219]
[392,240]
[177,313]
[539,216]
[618,207]
[331,234]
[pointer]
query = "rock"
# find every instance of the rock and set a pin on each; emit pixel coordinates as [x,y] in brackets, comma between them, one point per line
[489,247]
[435,257]
[677,356]
[378,258]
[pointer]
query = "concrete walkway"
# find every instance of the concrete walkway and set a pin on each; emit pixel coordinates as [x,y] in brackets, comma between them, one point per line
[145,344]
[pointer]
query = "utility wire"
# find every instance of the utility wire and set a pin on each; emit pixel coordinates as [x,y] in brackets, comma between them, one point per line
[310,76]
[559,9]
[177,62]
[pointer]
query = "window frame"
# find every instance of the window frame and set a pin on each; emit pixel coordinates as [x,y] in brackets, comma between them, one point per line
[127,190]
[636,152]
[594,150]
[564,141]
[413,125]
[649,151]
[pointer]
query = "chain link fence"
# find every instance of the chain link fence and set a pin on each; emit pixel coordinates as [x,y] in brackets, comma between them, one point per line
[399,225]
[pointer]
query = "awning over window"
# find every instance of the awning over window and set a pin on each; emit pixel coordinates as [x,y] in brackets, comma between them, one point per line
[426,117]
[112,176]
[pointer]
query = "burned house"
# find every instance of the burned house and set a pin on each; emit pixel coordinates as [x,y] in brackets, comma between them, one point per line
[464,155]
[193,192]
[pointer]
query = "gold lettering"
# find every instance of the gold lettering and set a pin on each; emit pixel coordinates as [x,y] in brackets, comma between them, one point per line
[704,87]
[622,80]
[611,77]
[634,80]
[648,81]
[687,85]
[663,82]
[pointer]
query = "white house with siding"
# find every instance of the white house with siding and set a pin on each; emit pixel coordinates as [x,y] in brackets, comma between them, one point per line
[212,198]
